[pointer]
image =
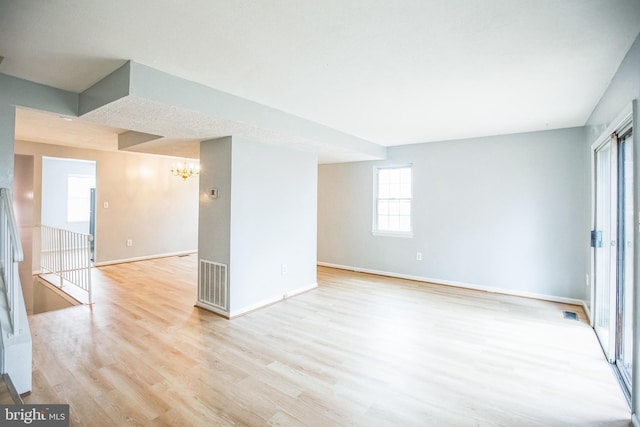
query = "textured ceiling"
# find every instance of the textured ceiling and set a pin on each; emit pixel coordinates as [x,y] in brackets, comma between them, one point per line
[50,128]
[388,72]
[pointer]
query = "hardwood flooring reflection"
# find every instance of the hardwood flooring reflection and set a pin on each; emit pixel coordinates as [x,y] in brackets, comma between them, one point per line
[359,350]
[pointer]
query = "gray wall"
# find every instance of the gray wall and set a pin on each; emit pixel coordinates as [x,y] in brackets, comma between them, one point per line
[505,212]
[27,94]
[264,217]
[7,135]
[624,87]
[214,232]
[158,211]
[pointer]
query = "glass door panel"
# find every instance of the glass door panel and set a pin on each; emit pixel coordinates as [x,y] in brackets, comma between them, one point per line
[612,240]
[604,243]
[625,260]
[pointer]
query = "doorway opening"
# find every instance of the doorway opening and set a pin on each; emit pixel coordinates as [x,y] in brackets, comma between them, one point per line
[68,225]
[68,194]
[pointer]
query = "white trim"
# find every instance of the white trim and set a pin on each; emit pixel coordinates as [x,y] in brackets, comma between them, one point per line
[299,291]
[525,294]
[587,312]
[144,258]
[404,234]
[616,124]
[211,308]
[374,217]
[252,307]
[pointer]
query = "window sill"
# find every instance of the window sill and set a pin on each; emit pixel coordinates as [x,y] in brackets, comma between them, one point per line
[402,234]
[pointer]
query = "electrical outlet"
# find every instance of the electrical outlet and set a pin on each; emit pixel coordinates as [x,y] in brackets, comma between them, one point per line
[129,242]
[284,269]
[419,256]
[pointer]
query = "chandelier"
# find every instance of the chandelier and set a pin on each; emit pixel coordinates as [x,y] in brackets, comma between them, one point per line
[185,171]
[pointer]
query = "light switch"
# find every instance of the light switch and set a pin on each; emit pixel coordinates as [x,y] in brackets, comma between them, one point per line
[105,205]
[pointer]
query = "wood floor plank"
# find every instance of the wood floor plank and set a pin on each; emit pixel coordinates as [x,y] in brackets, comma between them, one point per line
[360,350]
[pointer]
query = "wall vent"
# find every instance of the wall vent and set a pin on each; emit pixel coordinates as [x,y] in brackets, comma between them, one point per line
[213,286]
[570,315]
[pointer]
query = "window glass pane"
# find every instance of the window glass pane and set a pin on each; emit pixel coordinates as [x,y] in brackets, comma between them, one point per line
[394,223]
[383,207]
[405,208]
[394,208]
[79,197]
[395,190]
[405,190]
[383,222]
[383,191]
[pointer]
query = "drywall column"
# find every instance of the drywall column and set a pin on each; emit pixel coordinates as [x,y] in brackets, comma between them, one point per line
[263,222]
[214,219]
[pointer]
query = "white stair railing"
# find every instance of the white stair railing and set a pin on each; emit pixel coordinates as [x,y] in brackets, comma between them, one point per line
[67,254]
[10,255]
[15,337]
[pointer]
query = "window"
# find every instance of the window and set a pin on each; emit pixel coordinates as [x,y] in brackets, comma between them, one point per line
[79,197]
[392,204]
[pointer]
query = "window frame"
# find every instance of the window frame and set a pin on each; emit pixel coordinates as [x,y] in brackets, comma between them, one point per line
[376,184]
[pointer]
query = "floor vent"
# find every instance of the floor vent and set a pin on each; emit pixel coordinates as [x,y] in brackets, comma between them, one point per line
[213,287]
[570,315]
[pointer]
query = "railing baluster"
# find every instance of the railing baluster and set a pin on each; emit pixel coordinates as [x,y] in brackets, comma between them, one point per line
[66,254]
[11,254]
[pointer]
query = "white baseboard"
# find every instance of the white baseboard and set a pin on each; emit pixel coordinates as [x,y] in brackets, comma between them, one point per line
[301,290]
[587,312]
[252,307]
[144,258]
[269,301]
[212,309]
[526,294]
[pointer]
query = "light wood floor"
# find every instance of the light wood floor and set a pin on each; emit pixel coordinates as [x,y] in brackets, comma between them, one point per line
[360,350]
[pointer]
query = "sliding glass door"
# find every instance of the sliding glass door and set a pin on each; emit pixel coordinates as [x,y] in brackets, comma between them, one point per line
[612,242]
[603,240]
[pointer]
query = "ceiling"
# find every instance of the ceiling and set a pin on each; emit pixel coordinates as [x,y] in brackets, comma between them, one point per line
[389,72]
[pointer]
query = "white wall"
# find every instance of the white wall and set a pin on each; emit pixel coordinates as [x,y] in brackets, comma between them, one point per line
[503,212]
[266,208]
[148,205]
[273,222]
